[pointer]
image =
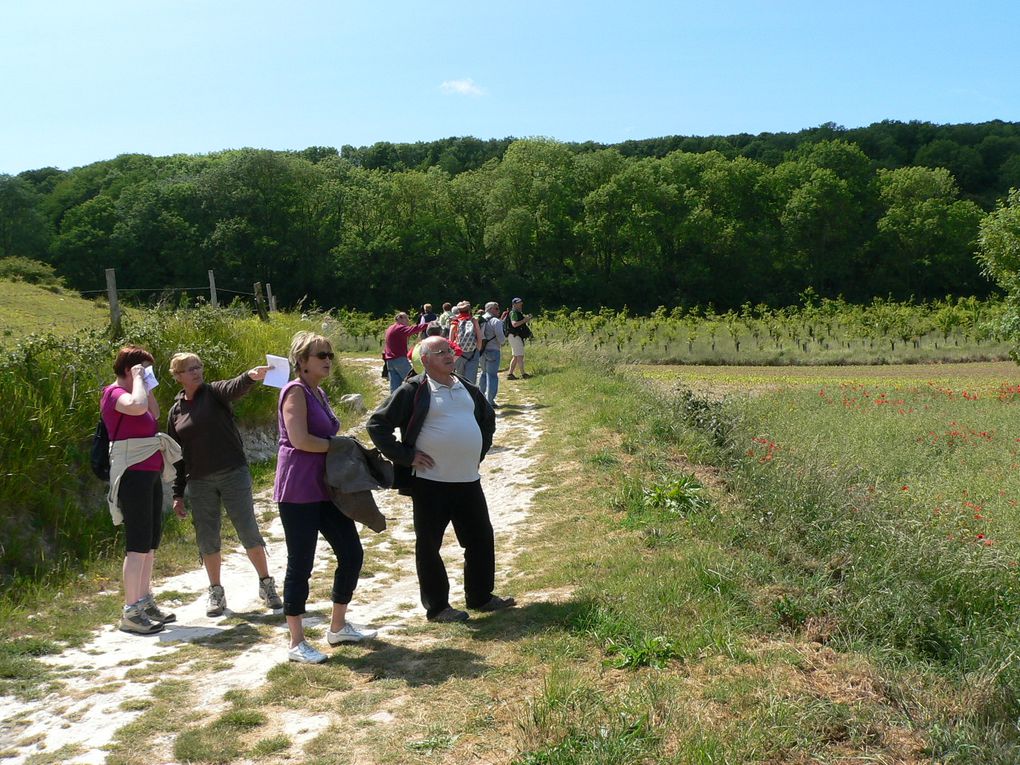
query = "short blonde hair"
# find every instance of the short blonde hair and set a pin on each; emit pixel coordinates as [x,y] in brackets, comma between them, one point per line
[180,361]
[301,346]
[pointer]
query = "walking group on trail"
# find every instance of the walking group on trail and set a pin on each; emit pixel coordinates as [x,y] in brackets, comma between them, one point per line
[436,427]
[477,340]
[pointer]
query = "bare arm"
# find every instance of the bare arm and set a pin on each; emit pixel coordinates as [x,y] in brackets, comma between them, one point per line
[138,400]
[295,419]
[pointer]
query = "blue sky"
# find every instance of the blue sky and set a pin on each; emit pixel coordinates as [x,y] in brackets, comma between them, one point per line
[85,81]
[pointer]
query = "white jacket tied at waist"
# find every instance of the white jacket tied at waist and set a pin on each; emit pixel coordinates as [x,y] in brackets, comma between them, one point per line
[131,451]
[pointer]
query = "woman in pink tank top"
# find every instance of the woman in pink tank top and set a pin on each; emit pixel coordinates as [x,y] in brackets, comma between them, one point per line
[129,410]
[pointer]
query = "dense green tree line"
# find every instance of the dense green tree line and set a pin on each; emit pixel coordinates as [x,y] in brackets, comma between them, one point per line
[984,158]
[562,224]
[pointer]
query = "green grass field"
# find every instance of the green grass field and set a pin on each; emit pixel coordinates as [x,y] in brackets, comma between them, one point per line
[29,309]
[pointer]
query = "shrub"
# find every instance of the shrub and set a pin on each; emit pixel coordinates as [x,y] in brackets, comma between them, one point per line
[19,269]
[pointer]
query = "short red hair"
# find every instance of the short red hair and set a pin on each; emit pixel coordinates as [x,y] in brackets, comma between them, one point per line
[129,356]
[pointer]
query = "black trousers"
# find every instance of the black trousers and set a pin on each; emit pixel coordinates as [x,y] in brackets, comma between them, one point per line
[436,506]
[302,524]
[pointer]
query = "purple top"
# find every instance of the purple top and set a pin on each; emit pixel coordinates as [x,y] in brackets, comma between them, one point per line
[122,426]
[301,475]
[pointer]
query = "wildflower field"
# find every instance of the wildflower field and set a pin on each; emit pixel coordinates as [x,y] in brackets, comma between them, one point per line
[886,502]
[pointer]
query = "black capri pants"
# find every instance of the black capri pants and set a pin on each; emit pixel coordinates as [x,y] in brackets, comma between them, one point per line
[302,524]
[141,501]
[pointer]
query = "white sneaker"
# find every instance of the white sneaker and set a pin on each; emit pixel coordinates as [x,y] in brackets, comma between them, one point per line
[350,633]
[305,654]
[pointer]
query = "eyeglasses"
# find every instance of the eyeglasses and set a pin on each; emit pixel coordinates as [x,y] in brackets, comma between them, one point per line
[444,352]
[324,355]
[189,370]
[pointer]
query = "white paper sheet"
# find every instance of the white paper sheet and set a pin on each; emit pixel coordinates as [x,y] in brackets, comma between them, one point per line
[279,375]
[150,379]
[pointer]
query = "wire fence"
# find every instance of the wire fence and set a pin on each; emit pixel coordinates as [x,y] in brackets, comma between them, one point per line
[262,306]
[130,290]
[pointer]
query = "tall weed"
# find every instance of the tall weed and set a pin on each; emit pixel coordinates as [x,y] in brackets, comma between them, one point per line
[52,510]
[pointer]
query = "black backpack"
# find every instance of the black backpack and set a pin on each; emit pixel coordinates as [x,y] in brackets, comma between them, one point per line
[99,452]
[523,331]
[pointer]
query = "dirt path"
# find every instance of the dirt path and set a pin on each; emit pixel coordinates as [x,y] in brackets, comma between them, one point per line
[103,682]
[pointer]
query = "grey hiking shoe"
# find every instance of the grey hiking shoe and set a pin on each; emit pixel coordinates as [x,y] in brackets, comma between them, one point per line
[217,601]
[135,621]
[267,591]
[154,612]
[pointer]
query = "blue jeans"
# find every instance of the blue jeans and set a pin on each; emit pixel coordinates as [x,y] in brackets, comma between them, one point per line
[468,368]
[398,370]
[489,384]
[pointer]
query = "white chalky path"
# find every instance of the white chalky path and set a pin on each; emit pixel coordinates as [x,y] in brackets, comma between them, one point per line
[74,717]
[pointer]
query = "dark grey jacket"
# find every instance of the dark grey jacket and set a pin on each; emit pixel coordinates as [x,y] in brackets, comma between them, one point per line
[352,473]
[406,409]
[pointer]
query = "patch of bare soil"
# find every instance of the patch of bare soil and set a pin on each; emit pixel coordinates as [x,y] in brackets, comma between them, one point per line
[215,657]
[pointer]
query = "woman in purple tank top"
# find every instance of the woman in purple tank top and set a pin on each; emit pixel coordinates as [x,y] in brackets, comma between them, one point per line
[306,424]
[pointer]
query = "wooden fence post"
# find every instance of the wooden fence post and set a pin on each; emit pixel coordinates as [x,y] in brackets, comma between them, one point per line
[212,290]
[111,292]
[260,302]
[271,296]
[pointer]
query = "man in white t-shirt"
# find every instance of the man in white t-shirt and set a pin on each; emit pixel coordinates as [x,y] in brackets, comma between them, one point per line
[446,428]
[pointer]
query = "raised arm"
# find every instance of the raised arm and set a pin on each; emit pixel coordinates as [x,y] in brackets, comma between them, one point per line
[138,401]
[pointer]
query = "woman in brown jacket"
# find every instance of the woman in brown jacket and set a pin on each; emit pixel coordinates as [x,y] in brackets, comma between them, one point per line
[214,471]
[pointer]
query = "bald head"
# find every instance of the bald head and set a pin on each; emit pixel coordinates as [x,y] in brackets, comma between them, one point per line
[438,359]
[433,344]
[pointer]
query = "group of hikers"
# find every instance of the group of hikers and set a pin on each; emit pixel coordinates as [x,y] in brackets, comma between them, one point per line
[436,427]
[477,340]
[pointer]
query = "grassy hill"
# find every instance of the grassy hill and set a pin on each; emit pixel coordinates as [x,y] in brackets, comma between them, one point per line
[27,308]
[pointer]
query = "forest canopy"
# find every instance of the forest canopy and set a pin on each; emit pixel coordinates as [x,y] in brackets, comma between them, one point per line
[892,210]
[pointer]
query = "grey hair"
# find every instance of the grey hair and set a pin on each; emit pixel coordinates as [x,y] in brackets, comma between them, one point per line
[491,304]
[427,345]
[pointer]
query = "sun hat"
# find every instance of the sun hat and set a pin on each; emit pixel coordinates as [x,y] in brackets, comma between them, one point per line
[463,305]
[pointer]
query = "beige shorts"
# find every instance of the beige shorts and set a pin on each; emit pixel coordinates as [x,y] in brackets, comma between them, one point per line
[516,345]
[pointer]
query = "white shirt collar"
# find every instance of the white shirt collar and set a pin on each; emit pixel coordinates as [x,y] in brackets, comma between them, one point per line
[433,383]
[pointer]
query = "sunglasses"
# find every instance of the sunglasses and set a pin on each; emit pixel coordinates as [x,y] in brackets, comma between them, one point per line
[324,355]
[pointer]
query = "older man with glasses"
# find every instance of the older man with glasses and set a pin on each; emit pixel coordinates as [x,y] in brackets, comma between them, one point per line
[446,429]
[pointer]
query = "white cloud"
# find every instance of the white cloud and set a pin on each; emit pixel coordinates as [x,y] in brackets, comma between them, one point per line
[462,88]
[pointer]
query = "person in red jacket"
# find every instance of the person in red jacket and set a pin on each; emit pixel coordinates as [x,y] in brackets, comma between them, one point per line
[395,348]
